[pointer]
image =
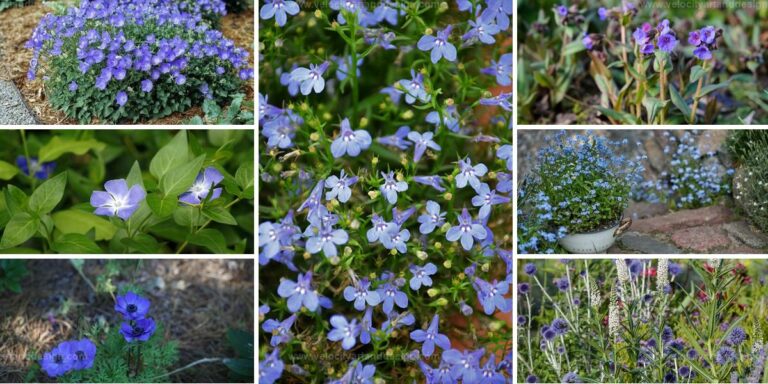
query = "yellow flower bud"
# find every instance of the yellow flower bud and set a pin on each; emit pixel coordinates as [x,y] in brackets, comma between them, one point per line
[423,71]
[355,224]
[306,255]
[460,66]
[428,31]
[442,302]
[389,352]
[299,30]
[312,149]
[311,23]
[443,6]
[399,176]
[363,122]
[421,255]
[375,160]
[279,43]
[314,136]
[432,292]
[334,260]
[383,106]
[495,325]
[318,13]
[277,167]
[447,264]
[334,25]
[462,276]
[393,252]
[407,115]
[373,194]
[262,46]
[438,245]
[449,101]
[320,51]
[485,267]
[304,107]
[327,116]
[448,196]
[492,175]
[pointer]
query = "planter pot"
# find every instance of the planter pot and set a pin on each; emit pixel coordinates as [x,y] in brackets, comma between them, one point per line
[592,242]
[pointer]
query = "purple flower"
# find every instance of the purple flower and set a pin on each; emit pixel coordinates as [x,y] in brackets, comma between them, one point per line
[58,361]
[430,337]
[343,330]
[469,174]
[602,13]
[83,352]
[559,326]
[394,94]
[121,98]
[465,364]
[482,30]
[702,53]
[271,368]
[498,11]
[505,153]
[421,276]
[432,181]
[561,10]
[489,372]
[648,49]
[725,355]
[280,330]
[396,240]
[313,201]
[73,86]
[570,377]
[132,306]
[588,42]
[422,141]
[529,269]
[667,42]
[486,198]
[399,217]
[432,219]
[146,85]
[450,118]
[737,336]
[387,10]
[118,200]
[311,78]
[466,230]
[366,326]
[349,142]
[326,240]
[352,6]
[281,130]
[278,10]
[391,295]
[414,88]
[501,69]
[439,45]
[180,79]
[398,139]
[694,38]
[381,229]
[503,100]
[41,171]
[640,36]
[339,186]
[391,187]
[139,330]
[708,35]
[299,293]
[491,295]
[523,288]
[361,295]
[199,190]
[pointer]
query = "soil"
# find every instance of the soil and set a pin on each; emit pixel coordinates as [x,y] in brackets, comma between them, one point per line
[196,300]
[17,25]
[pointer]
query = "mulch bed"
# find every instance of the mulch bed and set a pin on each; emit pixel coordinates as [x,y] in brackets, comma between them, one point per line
[196,300]
[17,25]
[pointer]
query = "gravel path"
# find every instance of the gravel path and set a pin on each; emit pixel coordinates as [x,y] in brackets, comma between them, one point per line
[13,110]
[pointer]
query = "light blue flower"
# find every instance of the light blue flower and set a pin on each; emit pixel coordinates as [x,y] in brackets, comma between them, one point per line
[432,219]
[326,240]
[278,9]
[343,330]
[439,46]
[391,187]
[469,174]
[486,197]
[350,142]
[430,337]
[422,141]
[396,239]
[421,276]
[339,187]
[467,230]
[381,229]
[311,78]
[361,295]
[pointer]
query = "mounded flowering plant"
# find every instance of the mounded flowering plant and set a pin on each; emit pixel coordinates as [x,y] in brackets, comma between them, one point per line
[385,236]
[88,192]
[641,321]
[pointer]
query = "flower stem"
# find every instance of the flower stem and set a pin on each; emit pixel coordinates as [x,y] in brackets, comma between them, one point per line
[697,96]
[663,88]
[352,69]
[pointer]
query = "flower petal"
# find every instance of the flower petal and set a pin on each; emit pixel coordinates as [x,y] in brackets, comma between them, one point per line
[426,42]
[117,187]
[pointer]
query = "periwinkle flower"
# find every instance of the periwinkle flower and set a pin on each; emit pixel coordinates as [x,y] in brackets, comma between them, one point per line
[467,230]
[430,337]
[139,330]
[350,142]
[414,88]
[310,79]
[339,187]
[391,187]
[280,330]
[469,174]
[204,182]
[299,293]
[41,171]
[486,197]
[505,153]
[132,306]
[421,276]
[381,229]
[343,330]
[73,86]
[432,219]
[118,200]
[279,9]
[271,368]
[439,46]
[146,85]
[398,139]
[432,181]
[483,30]
[422,141]
[361,295]
[366,326]
[58,361]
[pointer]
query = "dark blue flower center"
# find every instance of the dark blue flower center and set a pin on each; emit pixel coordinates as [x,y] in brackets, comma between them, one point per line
[137,331]
[131,308]
[80,355]
[58,359]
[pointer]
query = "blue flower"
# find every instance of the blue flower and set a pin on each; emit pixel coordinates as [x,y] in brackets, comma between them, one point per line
[278,10]
[352,6]
[58,361]
[491,295]
[421,276]
[41,171]
[505,153]
[138,330]
[343,330]
[73,86]
[311,78]
[361,295]
[342,64]
[339,187]
[602,13]
[281,130]
[396,239]
[313,201]
[391,295]
[464,364]
[737,336]
[400,217]
[503,100]
[202,186]
[430,337]
[422,141]
[280,330]
[398,139]
[83,353]
[432,181]
[501,69]
[132,306]
[271,368]
[387,10]
[381,229]
[466,230]
[469,174]
[391,187]
[396,321]
[414,88]
[450,118]
[326,240]
[366,326]
[357,374]
[299,293]
[118,200]
[570,377]
[349,142]
[498,11]
[486,198]
[483,30]
[440,46]
[121,98]
[432,219]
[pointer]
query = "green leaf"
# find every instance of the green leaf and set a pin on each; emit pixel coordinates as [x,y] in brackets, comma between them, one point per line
[244,179]
[219,214]
[211,239]
[134,176]
[697,72]
[162,206]
[15,199]
[172,155]
[185,214]
[243,367]
[181,178]
[48,194]
[241,341]
[75,243]
[573,47]
[623,117]
[7,170]
[20,229]
[678,101]
[59,146]
[713,87]
[77,221]
[652,106]
[143,243]
[211,110]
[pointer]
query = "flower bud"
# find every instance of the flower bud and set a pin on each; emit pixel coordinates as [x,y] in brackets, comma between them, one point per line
[399,176]
[487,94]
[448,196]
[375,160]
[334,260]
[389,352]
[449,101]
[438,245]
[373,194]
[355,224]
[485,267]
[314,136]
[279,43]
[363,122]
[492,175]
[445,227]
[312,149]
[304,107]
[462,276]
[428,31]
[407,115]
[299,30]
[277,167]
[347,251]
[379,380]
[432,292]
[320,51]
[334,202]
[443,7]
[442,302]
[334,25]
[306,255]
[447,264]
[460,66]
[318,13]
[465,309]
[495,326]
[421,255]
[262,46]
[393,252]
[311,23]
[327,116]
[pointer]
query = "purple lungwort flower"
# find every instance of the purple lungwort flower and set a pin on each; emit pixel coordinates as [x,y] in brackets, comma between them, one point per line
[422,141]
[398,139]
[278,9]
[482,30]
[361,295]
[491,295]
[430,337]
[421,276]
[466,230]
[414,88]
[58,361]
[271,368]
[83,353]
[41,171]
[311,78]
[350,142]
[326,240]
[199,190]
[280,330]
[694,38]
[501,69]
[396,240]
[588,42]
[343,330]
[339,187]
[602,13]
[465,364]
[118,200]
[391,295]
[432,219]
[299,293]
[440,46]
[708,35]
[433,181]
[667,42]
[640,36]
[703,53]
[132,306]
[381,229]
[140,330]
[391,187]
[469,174]
[486,197]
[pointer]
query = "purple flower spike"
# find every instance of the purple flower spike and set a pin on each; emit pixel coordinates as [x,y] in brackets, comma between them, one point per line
[469,174]
[311,78]
[118,200]
[361,295]
[132,306]
[391,187]
[343,330]
[278,9]
[198,192]
[299,293]
[350,142]
[41,171]
[421,276]
[439,45]
[466,230]
[422,141]
[141,330]
[432,219]
[339,187]
[430,337]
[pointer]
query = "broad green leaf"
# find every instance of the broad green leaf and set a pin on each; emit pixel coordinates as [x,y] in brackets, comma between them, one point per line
[573,47]
[134,176]
[244,177]
[77,221]
[219,214]
[241,341]
[713,87]
[19,250]
[59,146]
[679,102]
[5,214]
[15,199]
[7,170]
[243,367]
[181,178]
[75,243]
[143,243]
[172,155]
[20,229]
[211,239]
[219,137]
[697,72]
[623,117]
[48,194]
[185,215]
[162,206]
[652,106]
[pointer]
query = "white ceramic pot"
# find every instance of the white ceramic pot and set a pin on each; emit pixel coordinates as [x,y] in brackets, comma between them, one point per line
[593,242]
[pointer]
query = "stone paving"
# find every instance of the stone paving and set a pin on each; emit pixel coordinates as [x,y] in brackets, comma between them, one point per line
[714,229]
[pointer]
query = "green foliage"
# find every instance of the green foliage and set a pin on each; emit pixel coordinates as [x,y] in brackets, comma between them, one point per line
[11,274]
[744,144]
[5,4]
[241,367]
[238,113]
[750,184]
